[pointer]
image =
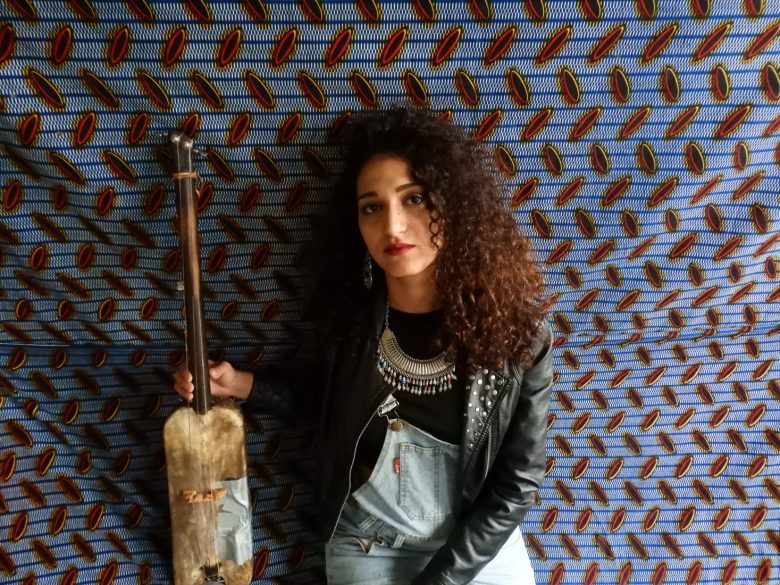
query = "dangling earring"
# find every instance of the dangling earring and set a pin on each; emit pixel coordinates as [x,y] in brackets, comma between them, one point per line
[368,269]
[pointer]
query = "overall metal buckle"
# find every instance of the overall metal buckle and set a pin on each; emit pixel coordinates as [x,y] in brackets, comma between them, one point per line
[386,409]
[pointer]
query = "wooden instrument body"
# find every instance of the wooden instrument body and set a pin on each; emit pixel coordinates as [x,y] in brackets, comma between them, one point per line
[191,439]
[205,445]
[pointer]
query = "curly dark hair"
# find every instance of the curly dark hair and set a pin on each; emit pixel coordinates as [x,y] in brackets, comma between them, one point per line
[487,278]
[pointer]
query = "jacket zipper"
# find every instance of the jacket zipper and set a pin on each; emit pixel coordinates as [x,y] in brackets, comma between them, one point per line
[349,472]
[486,428]
[494,439]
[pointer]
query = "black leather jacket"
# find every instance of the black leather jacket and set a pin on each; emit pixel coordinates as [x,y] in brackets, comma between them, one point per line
[503,445]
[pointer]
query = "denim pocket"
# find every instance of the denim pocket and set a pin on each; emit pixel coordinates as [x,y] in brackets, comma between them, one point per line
[349,544]
[425,493]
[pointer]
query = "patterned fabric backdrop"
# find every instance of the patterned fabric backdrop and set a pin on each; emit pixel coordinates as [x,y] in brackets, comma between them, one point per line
[641,144]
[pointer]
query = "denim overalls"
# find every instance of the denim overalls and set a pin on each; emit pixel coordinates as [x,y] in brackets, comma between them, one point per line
[393,524]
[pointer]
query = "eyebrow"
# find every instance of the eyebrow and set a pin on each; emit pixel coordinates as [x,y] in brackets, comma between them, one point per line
[398,190]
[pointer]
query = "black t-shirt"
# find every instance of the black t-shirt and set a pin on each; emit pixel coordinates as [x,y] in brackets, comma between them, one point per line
[439,414]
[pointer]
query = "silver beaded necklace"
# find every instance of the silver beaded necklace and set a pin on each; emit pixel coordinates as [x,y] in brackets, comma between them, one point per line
[403,372]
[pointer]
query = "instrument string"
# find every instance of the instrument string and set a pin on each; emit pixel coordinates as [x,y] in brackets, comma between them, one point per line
[211,473]
[206,545]
[194,464]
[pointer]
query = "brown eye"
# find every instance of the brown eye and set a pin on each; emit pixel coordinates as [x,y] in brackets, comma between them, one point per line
[369,208]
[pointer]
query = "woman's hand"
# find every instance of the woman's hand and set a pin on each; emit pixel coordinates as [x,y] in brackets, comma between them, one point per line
[225,381]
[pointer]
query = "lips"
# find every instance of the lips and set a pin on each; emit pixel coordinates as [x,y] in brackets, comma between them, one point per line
[398,249]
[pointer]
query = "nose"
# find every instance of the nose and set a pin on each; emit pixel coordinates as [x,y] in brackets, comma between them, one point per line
[396,221]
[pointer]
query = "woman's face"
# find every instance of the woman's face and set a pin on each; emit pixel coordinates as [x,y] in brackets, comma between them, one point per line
[394,218]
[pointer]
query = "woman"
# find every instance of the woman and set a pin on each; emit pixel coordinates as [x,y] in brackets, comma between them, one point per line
[437,360]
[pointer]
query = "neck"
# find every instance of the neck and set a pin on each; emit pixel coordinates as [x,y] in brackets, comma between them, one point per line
[413,294]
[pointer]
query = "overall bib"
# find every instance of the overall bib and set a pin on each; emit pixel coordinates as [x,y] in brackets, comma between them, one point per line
[393,524]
